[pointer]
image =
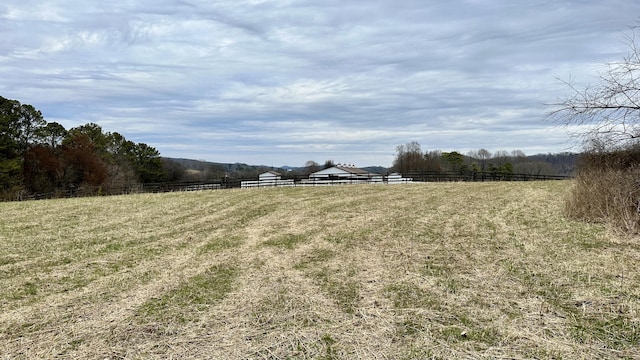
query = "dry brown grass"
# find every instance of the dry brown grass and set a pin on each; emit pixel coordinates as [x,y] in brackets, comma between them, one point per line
[607,195]
[456,270]
[607,190]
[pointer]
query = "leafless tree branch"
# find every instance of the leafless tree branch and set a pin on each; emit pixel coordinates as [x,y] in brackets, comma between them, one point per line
[607,113]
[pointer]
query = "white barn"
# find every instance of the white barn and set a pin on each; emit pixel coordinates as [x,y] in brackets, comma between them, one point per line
[346,174]
[266,179]
[270,176]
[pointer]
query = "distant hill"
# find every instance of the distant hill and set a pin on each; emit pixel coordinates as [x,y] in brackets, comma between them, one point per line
[203,165]
[200,170]
[376,169]
[559,164]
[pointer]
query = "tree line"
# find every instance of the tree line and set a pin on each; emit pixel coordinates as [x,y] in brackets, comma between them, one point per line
[39,157]
[411,159]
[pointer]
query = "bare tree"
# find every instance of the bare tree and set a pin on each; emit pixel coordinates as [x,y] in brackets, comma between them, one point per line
[311,167]
[608,113]
[409,157]
[518,154]
[483,156]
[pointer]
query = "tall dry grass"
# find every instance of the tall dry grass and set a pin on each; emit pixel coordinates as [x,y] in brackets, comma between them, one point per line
[607,190]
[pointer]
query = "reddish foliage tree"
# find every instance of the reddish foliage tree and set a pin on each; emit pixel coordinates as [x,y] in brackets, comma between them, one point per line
[81,163]
[42,170]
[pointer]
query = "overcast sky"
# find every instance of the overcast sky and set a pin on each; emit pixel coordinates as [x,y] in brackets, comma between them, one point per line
[282,82]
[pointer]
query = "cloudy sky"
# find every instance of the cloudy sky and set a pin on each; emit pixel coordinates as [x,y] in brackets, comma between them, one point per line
[278,82]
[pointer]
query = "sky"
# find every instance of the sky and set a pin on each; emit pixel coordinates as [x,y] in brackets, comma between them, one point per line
[282,82]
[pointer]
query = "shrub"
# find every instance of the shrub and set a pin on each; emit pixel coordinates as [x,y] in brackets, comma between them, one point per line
[607,190]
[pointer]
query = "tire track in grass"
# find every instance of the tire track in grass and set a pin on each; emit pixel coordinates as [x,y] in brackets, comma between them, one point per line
[235,325]
[89,320]
[82,321]
[129,324]
[140,329]
[281,310]
[87,263]
[77,249]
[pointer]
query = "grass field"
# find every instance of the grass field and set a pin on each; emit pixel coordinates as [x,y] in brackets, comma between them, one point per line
[437,270]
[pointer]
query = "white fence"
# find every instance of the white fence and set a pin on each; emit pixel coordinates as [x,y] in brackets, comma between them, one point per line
[266,183]
[313,182]
[351,182]
[323,182]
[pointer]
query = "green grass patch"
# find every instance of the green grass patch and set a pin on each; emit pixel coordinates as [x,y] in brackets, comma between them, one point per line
[287,241]
[8,261]
[613,330]
[406,295]
[339,285]
[314,257]
[349,239]
[197,293]
[222,243]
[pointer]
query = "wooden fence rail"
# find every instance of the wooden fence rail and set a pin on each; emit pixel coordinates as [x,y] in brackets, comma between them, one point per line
[441,176]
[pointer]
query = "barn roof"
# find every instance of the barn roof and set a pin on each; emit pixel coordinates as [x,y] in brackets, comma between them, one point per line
[344,170]
[352,170]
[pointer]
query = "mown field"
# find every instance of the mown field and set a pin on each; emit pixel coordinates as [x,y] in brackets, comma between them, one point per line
[437,270]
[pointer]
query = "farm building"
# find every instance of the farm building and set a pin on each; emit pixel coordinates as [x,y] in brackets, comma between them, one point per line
[342,173]
[270,176]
